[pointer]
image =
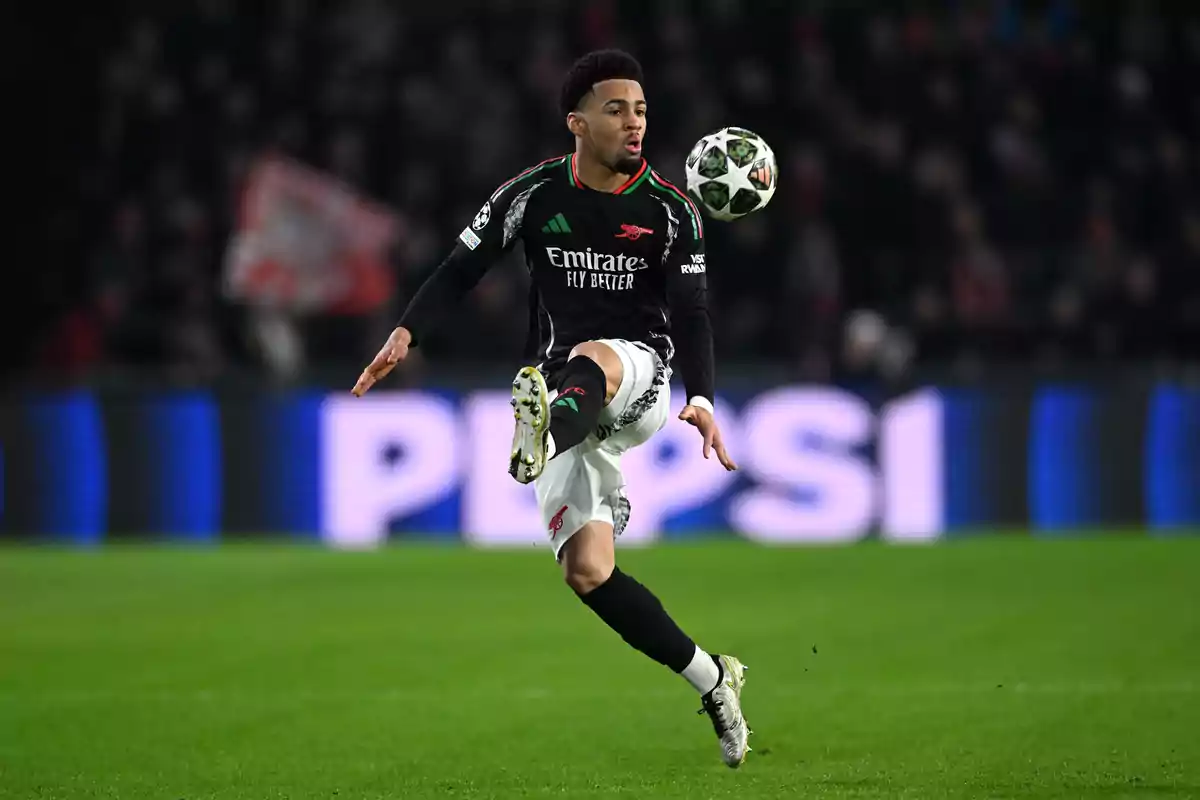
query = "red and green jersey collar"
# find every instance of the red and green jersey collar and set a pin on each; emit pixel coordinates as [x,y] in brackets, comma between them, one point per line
[627,187]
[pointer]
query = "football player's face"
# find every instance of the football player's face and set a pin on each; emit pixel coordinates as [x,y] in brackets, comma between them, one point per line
[614,123]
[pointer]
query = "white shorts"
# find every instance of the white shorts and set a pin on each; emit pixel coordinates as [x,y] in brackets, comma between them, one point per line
[585,483]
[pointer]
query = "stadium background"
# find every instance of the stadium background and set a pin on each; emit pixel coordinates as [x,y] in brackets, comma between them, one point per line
[988,209]
[970,318]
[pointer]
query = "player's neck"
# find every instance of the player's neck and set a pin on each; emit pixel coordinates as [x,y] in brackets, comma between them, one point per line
[594,175]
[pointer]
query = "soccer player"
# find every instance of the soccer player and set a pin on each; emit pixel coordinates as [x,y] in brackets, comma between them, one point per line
[616,257]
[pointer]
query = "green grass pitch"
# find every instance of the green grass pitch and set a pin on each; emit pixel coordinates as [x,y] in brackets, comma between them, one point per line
[995,668]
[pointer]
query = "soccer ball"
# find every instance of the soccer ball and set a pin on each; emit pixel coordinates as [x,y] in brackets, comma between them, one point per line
[731,173]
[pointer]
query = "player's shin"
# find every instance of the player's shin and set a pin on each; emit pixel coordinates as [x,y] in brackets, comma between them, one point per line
[637,615]
[576,410]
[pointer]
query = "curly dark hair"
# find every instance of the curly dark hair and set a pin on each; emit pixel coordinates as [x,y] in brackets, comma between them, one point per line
[599,65]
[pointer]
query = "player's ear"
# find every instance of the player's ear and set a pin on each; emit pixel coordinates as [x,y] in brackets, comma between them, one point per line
[576,123]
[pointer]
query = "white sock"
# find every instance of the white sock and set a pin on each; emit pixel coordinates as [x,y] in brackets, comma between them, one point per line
[703,672]
[549,445]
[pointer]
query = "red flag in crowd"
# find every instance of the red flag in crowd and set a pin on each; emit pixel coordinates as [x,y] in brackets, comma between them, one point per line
[306,242]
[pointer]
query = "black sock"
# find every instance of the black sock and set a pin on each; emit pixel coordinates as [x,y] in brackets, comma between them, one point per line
[576,410]
[636,614]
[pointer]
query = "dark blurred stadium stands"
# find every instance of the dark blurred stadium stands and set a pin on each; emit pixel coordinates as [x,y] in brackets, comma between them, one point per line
[963,183]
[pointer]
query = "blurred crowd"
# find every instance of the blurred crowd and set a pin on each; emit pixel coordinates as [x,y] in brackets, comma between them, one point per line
[961,183]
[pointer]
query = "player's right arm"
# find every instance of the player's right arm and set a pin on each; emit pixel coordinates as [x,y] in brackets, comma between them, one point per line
[491,233]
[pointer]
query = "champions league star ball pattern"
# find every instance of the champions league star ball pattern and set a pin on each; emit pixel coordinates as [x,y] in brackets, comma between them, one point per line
[731,173]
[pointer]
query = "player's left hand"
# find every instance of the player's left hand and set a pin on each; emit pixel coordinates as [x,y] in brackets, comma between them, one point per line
[703,421]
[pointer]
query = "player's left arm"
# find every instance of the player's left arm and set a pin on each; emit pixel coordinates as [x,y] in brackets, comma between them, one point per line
[691,328]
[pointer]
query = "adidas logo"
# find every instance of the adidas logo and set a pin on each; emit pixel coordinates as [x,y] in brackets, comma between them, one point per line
[557,225]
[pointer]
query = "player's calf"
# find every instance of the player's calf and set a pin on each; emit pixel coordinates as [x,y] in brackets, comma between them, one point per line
[626,606]
[638,617]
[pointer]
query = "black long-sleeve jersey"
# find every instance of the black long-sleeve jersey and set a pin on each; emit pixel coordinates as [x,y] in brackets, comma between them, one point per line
[622,265]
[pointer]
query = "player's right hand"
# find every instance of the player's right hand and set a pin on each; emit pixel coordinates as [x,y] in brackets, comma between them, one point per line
[392,352]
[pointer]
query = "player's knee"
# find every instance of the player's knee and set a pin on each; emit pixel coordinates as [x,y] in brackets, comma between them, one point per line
[589,558]
[586,575]
[608,361]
